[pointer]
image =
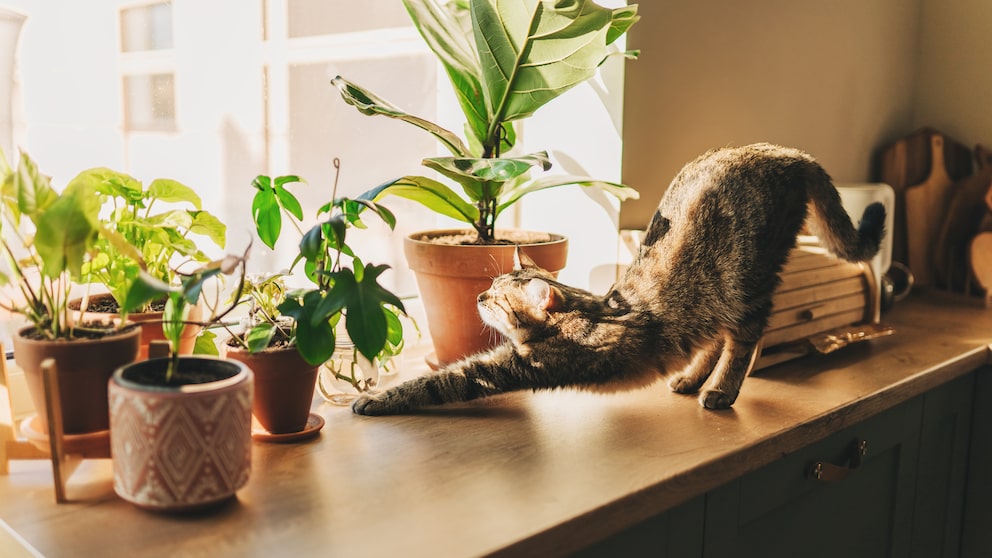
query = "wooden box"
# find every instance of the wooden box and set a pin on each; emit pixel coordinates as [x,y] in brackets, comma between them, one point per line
[820,298]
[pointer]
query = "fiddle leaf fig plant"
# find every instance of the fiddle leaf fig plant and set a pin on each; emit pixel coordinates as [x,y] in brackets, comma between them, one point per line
[344,287]
[505,60]
[46,255]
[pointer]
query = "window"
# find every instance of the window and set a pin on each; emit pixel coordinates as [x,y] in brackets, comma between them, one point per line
[149,99]
[214,93]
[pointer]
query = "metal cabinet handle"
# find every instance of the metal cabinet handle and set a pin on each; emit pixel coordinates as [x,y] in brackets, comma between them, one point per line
[828,472]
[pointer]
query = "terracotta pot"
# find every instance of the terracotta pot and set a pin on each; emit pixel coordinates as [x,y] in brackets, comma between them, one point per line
[284,385]
[451,277]
[151,326]
[184,446]
[84,366]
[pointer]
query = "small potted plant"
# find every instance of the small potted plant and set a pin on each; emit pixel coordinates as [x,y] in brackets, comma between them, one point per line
[510,60]
[284,381]
[47,238]
[344,317]
[180,425]
[139,233]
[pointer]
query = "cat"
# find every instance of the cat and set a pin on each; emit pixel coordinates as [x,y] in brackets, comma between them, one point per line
[692,305]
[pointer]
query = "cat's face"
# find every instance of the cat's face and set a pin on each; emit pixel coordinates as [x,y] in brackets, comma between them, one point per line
[517,302]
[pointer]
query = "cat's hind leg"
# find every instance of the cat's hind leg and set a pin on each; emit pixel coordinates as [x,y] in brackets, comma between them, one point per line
[690,379]
[725,384]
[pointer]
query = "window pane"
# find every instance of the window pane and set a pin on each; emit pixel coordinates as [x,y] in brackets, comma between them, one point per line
[372,149]
[146,27]
[149,102]
[325,17]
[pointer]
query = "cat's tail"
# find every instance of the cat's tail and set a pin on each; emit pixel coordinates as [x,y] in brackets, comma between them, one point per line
[830,222]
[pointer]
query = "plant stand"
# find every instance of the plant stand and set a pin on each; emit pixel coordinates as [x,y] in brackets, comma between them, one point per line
[14,447]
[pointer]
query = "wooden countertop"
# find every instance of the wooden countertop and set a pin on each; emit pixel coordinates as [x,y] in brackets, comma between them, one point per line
[527,474]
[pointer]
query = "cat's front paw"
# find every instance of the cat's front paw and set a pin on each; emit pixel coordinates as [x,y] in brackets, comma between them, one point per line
[715,399]
[370,404]
[683,384]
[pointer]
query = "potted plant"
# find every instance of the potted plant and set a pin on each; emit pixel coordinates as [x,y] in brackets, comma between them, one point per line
[47,237]
[284,381]
[139,234]
[344,317]
[180,425]
[510,59]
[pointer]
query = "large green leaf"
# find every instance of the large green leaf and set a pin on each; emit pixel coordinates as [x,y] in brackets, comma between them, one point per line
[172,191]
[208,225]
[532,51]
[429,192]
[444,27]
[511,195]
[33,190]
[112,183]
[370,104]
[67,228]
[483,178]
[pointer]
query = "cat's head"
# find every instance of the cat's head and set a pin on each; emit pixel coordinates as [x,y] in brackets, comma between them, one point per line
[518,302]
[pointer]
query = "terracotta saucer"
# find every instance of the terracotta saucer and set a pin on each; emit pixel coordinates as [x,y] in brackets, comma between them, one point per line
[90,444]
[314,423]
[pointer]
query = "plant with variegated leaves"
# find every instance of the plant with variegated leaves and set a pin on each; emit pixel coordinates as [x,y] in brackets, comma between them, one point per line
[505,60]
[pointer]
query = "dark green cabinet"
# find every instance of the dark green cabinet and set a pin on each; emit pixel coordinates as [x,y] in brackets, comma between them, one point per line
[920,489]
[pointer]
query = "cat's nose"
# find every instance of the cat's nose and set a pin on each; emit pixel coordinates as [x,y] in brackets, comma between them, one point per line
[483,296]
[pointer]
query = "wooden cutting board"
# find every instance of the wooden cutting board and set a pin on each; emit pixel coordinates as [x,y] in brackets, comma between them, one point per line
[907,162]
[926,205]
[965,215]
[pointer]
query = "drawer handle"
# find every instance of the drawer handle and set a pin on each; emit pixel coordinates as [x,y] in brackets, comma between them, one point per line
[828,472]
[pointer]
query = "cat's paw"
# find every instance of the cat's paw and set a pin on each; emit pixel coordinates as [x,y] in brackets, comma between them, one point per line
[715,399]
[683,384]
[370,404]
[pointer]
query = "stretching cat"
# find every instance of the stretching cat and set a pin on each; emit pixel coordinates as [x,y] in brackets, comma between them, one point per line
[692,306]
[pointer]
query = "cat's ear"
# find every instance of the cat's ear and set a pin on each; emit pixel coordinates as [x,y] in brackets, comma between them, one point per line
[657,228]
[542,295]
[522,261]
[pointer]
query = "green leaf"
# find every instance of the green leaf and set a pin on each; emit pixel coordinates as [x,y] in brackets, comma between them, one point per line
[205,343]
[532,51]
[172,191]
[259,337]
[429,192]
[33,189]
[369,104]
[208,225]
[483,178]
[287,200]
[622,19]
[145,289]
[365,312]
[510,196]
[314,337]
[446,31]
[267,217]
[67,229]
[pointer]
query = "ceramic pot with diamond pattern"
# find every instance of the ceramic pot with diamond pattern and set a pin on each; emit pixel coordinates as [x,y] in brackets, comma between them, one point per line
[185,444]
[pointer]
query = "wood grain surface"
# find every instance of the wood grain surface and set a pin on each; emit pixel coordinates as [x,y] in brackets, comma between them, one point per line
[521,474]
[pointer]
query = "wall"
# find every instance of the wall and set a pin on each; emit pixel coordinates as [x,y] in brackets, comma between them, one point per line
[834,78]
[954,82]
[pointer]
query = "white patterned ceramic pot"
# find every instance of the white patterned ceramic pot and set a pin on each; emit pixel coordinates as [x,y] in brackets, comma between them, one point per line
[183,446]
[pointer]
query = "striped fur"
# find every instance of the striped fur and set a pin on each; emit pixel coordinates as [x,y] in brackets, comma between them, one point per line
[692,306]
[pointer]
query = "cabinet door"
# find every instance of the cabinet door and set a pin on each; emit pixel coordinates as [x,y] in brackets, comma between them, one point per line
[943,466]
[779,510]
[677,533]
[977,530]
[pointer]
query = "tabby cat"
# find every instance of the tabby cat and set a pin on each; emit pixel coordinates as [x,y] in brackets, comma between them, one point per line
[692,306]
